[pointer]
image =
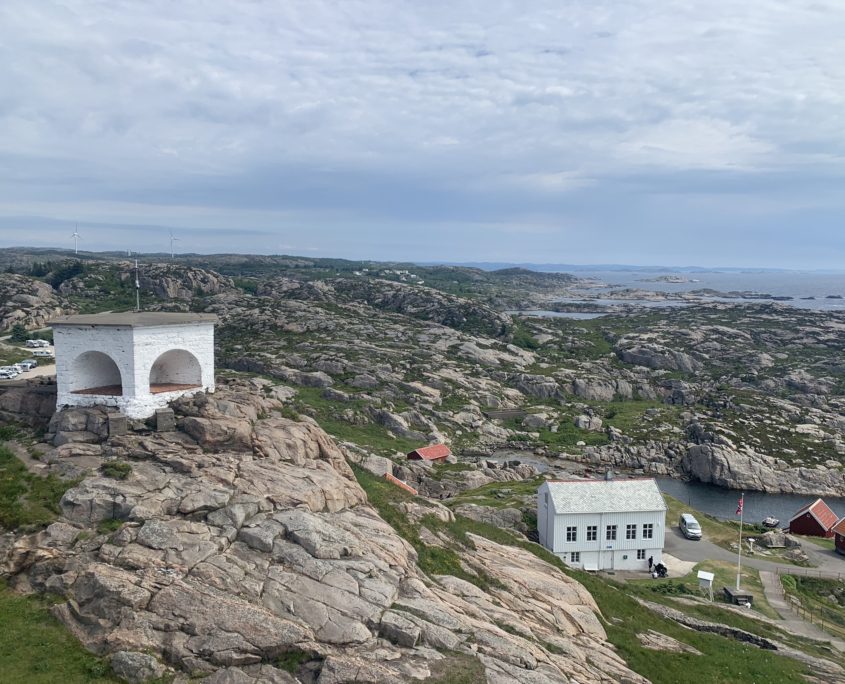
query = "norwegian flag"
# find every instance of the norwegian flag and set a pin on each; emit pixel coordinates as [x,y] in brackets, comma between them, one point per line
[741,503]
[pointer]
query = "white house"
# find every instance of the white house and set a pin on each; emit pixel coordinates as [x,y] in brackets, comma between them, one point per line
[602,524]
[136,362]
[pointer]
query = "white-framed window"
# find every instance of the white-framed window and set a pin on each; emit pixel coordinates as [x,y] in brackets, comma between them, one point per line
[592,532]
[640,554]
[610,533]
[575,557]
[630,531]
[572,534]
[648,530]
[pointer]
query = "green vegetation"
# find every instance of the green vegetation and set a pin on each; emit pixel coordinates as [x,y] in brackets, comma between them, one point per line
[725,575]
[292,660]
[723,659]
[433,560]
[500,494]
[27,500]
[10,355]
[117,470]
[110,525]
[822,600]
[37,649]
[310,400]
[18,334]
[457,668]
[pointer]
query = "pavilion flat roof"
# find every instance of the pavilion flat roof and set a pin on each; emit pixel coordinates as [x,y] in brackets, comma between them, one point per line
[135,319]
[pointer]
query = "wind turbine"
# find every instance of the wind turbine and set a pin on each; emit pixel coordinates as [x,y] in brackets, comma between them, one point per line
[76,237]
[172,240]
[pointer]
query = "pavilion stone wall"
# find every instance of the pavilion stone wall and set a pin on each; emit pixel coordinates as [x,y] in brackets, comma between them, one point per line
[134,350]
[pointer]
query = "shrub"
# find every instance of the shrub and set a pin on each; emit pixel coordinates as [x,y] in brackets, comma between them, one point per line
[117,470]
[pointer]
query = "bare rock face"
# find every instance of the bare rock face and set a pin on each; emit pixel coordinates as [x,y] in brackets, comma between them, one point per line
[27,301]
[658,357]
[233,552]
[723,466]
[33,404]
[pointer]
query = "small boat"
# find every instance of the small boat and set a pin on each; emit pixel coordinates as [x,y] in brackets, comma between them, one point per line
[771,522]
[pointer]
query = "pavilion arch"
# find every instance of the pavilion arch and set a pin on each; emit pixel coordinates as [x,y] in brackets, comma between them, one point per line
[95,372]
[176,367]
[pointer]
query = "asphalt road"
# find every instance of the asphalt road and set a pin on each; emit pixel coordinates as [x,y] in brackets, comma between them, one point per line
[824,560]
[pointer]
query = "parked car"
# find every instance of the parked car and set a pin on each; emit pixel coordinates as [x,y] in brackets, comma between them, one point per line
[689,526]
[43,353]
[7,374]
[29,364]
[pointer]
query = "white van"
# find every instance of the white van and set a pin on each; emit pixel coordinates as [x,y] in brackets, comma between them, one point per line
[36,344]
[689,526]
[43,353]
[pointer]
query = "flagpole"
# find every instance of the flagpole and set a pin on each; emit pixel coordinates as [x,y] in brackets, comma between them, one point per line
[739,550]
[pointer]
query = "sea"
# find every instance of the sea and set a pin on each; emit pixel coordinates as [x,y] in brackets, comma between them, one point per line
[808,289]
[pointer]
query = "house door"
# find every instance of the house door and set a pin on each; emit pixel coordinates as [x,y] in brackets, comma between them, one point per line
[607,563]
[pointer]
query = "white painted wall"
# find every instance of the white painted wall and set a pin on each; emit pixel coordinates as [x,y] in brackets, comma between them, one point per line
[134,351]
[602,554]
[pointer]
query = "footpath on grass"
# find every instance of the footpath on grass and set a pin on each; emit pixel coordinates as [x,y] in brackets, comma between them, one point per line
[828,564]
[773,589]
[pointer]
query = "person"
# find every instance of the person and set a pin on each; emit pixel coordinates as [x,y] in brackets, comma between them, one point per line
[650,562]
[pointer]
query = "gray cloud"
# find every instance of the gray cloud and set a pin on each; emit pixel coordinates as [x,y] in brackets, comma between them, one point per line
[558,131]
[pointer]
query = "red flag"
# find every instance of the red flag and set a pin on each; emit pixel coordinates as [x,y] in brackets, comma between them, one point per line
[739,506]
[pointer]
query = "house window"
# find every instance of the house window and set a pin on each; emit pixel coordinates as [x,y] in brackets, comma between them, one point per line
[571,534]
[546,499]
[610,533]
[648,531]
[640,554]
[575,557]
[592,532]
[630,531]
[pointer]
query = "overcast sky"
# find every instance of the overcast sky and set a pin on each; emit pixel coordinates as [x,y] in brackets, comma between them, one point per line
[574,131]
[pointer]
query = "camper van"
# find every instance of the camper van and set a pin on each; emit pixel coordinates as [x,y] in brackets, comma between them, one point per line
[43,353]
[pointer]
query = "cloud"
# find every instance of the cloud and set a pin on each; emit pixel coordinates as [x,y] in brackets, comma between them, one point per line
[387,117]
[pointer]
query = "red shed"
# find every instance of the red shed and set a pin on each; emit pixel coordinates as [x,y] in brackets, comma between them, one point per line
[435,453]
[815,520]
[839,536]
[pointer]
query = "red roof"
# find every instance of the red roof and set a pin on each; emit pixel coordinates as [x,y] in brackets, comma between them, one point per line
[839,528]
[431,453]
[820,511]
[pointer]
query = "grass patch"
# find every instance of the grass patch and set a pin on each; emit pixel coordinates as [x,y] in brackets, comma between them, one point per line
[291,661]
[27,500]
[433,560]
[109,526]
[457,668]
[725,576]
[500,494]
[822,600]
[310,400]
[37,649]
[820,541]
[117,470]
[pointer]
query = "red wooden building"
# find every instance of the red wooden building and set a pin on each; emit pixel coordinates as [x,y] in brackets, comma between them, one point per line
[815,520]
[435,453]
[839,536]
